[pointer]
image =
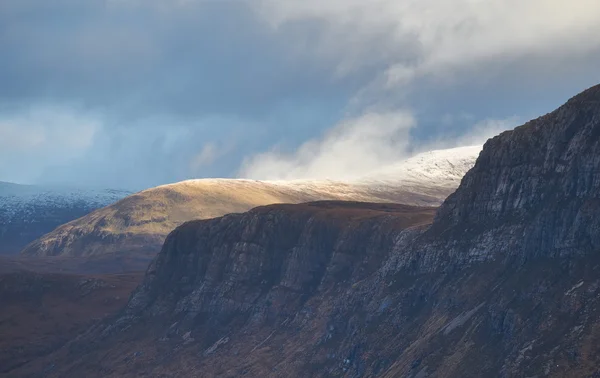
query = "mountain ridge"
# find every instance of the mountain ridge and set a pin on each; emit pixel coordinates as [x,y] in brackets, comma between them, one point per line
[140,222]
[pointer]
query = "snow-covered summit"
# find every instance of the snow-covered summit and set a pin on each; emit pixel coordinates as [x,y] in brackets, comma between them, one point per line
[15,198]
[29,211]
[438,167]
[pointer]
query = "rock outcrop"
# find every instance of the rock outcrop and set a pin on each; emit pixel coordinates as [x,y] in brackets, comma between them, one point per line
[503,283]
[534,192]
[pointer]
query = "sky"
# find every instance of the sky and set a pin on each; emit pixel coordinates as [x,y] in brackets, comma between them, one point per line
[136,93]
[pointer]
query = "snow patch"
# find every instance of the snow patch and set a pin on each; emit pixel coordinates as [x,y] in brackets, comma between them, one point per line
[24,201]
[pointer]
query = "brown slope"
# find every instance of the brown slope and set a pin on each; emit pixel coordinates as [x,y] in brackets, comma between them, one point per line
[139,224]
[41,311]
[102,264]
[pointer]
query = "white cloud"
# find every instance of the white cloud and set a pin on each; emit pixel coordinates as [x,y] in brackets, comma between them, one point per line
[208,155]
[352,148]
[406,43]
[360,146]
[297,63]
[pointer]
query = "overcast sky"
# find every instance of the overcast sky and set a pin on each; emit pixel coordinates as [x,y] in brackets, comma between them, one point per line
[136,93]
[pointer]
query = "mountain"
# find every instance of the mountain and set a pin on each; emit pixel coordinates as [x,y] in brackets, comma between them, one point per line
[140,222]
[503,283]
[28,212]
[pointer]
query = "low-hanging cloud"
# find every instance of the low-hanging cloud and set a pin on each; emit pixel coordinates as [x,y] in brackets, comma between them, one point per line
[351,149]
[360,146]
[476,135]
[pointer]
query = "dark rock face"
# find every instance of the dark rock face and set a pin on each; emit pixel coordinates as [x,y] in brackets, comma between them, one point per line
[534,191]
[280,254]
[504,283]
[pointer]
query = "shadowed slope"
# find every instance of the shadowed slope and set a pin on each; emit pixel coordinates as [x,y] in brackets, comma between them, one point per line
[41,312]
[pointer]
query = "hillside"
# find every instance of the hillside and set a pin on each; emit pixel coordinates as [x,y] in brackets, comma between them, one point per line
[140,222]
[41,311]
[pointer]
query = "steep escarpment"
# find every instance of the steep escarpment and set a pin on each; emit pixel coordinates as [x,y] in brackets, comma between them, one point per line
[534,191]
[279,254]
[532,169]
[503,283]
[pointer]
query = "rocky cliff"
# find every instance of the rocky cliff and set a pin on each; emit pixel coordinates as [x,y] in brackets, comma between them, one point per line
[534,191]
[503,283]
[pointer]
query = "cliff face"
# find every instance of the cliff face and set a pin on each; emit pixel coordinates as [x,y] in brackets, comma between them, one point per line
[271,259]
[534,191]
[504,282]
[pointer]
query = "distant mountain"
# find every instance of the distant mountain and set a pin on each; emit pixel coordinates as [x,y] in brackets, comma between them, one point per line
[504,282]
[29,211]
[140,222]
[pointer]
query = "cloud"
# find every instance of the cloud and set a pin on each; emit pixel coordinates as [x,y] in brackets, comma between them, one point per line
[132,58]
[47,127]
[246,58]
[486,129]
[32,138]
[168,150]
[360,146]
[169,86]
[351,149]
[473,135]
[208,155]
[415,38]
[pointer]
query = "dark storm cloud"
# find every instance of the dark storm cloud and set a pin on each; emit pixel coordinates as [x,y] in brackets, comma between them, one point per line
[192,59]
